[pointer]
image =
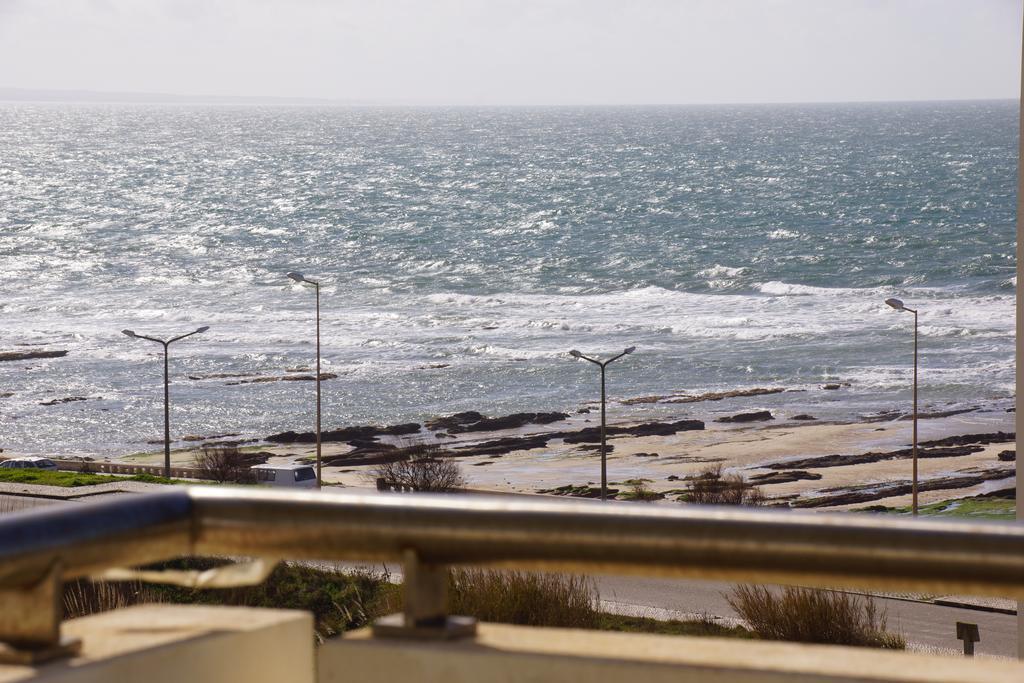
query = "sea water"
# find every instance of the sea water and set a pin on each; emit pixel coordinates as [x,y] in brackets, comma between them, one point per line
[464,251]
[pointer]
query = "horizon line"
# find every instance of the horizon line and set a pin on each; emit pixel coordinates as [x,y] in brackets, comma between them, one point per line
[84,96]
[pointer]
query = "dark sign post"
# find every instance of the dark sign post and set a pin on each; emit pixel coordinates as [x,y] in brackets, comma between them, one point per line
[969,634]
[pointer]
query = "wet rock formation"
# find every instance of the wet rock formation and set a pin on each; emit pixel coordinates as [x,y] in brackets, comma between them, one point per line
[758,416]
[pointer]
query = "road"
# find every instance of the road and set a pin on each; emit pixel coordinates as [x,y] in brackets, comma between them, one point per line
[925,624]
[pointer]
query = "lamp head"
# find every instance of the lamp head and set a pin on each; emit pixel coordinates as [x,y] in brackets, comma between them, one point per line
[128,333]
[575,354]
[896,303]
[631,349]
[298,277]
[202,329]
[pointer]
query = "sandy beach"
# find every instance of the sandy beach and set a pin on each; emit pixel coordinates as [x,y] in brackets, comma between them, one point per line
[781,455]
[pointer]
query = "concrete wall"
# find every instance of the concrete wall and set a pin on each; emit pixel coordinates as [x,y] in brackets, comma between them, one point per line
[192,644]
[96,467]
[183,644]
[514,653]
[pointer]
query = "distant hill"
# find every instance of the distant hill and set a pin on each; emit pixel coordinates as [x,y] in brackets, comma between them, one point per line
[34,95]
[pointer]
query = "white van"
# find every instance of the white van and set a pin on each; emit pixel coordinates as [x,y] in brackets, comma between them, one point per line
[293,476]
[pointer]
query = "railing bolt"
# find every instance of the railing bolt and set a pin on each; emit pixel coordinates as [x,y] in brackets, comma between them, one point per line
[425,610]
[30,617]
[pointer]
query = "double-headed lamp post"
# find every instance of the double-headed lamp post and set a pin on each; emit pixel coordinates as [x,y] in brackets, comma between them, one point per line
[300,278]
[604,450]
[898,305]
[167,394]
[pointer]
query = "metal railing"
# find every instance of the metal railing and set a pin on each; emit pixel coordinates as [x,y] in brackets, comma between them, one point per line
[42,547]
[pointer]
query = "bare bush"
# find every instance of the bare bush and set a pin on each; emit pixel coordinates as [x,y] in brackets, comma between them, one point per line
[225,464]
[83,597]
[639,491]
[711,487]
[525,598]
[420,467]
[340,599]
[810,615]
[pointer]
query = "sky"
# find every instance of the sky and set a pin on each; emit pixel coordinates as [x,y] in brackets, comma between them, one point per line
[519,52]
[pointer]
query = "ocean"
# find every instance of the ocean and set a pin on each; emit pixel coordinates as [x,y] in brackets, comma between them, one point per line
[464,251]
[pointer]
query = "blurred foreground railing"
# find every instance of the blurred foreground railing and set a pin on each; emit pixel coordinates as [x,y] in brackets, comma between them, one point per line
[41,548]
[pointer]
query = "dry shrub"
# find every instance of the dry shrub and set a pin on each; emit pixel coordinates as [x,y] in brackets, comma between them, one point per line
[84,597]
[810,615]
[421,467]
[711,487]
[339,600]
[225,464]
[639,491]
[525,598]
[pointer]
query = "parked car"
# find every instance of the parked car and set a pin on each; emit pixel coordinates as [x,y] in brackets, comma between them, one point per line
[28,463]
[293,476]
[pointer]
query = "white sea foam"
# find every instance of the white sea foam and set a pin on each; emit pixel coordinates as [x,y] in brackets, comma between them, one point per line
[719,271]
[437,246]
[776,288]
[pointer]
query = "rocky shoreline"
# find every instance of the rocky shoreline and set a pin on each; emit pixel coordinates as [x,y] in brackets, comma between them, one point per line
[801,460]
[479,439]
[867,493]
[368,449]
[902,454]
[7,356]
[470,422]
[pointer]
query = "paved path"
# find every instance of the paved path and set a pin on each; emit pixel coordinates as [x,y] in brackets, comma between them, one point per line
[72,492]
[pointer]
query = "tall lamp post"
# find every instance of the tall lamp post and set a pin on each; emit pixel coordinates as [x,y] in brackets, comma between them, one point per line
[898,305]
[167,394]
[300,278]
[604,450]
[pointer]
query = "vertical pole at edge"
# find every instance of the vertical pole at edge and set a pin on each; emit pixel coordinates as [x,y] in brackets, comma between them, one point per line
[1020,338]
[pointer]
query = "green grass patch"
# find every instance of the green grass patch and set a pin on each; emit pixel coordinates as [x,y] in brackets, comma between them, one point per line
[977,507]
[700,627]
[157,453]
[972,508]
[54,477]
[75,479]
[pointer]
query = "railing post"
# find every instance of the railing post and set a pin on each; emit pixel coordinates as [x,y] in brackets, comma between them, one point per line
[30,617]
[425,605]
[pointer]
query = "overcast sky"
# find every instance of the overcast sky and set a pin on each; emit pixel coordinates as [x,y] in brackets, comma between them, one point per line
[519,51]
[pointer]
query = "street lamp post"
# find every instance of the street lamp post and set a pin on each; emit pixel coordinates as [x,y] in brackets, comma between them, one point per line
[167,393]
[299,277]
[898,305]
[604,450]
